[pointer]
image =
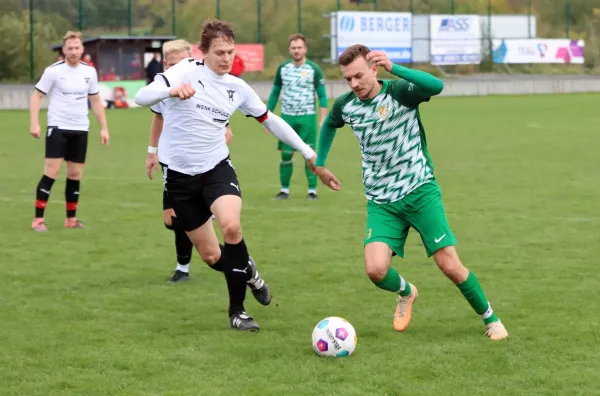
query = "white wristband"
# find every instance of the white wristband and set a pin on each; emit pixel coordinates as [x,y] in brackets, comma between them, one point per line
[152,150]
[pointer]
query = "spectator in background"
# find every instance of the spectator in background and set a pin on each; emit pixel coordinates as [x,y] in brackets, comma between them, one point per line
[87,58]
[238,66]
[154,67]
[111,75]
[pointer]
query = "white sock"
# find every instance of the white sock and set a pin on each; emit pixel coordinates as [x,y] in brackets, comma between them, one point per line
[489,312]
[402,285]
[285,190]
[183,268]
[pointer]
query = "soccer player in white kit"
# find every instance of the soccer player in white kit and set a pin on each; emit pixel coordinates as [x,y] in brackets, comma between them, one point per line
[201,179]
[69,83]
[158,153]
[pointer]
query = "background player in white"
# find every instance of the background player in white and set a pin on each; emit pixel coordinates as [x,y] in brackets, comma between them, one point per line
[69,84]
[201,179]
[158,153]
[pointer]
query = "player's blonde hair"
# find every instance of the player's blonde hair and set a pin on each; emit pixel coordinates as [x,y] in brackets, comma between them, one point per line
[176,46]
[72,35]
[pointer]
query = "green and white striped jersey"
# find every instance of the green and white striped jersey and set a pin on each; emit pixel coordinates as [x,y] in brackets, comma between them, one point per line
[299,85]
[395,160]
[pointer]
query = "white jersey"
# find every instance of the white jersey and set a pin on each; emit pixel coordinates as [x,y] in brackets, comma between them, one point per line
[69,87]
[196,127]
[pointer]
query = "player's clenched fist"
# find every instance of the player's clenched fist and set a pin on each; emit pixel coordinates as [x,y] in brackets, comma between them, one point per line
[183,91]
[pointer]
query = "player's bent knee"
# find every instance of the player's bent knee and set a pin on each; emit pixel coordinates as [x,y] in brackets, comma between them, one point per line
[167,219]
[378,257]
[449,263]
[376,272]
[232,231]
[210,257]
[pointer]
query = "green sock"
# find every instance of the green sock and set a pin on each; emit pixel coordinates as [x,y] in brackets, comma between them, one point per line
[474,294]
[312,179]
[286,167]
[394,282]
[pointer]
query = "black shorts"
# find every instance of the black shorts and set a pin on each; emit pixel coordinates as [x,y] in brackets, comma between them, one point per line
[166,202]
[192,196]
[63,143]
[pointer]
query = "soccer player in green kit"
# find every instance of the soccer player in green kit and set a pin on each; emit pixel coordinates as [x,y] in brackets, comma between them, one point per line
[300,79]
[398,178]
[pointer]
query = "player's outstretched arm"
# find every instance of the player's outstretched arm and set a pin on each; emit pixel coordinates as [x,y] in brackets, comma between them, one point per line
[281,130]
[429,85]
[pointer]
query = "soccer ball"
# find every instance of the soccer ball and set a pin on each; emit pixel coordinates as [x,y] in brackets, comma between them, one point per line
[334,336]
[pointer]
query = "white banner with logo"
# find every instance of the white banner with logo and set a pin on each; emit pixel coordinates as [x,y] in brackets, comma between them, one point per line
[538,51]
[455,39]
[387,31]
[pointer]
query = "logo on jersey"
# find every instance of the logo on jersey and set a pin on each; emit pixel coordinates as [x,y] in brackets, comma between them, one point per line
[230,93]
[200,82]
[383,111]
[87,80]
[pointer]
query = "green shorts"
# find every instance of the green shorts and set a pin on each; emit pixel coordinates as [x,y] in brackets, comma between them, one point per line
[305,126]
[422,210]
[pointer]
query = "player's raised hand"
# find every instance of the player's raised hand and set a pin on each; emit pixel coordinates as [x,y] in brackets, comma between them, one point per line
[328,178]
[104,137]
[183,91]
[35,131]
[380,58]
[151,164]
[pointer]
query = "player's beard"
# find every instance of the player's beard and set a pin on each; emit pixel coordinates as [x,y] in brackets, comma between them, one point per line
[73,59]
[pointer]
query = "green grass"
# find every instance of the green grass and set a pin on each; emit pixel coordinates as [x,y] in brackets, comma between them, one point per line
[88,312]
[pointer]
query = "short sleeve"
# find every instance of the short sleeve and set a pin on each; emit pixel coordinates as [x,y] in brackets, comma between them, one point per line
[252,105]
[157,108]
[94,88]
[407,93]
[46,81]
[334,119]
[179,73]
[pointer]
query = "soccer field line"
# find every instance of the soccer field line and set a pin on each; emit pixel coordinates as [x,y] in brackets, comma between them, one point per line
[244,186]
[309,208]
[124,204]
[533,125]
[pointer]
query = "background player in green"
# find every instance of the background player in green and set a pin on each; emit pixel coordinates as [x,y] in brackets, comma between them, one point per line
[300,79]
[398,178]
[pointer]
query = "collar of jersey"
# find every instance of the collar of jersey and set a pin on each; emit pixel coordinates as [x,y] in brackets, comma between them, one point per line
[384,85]
[212,74]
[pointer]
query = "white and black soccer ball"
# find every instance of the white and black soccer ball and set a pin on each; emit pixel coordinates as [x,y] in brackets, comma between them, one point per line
[334,337]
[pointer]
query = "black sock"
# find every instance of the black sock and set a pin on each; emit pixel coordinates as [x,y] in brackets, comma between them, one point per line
[235,266]
[42,194]
[72,196]
[183,245]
